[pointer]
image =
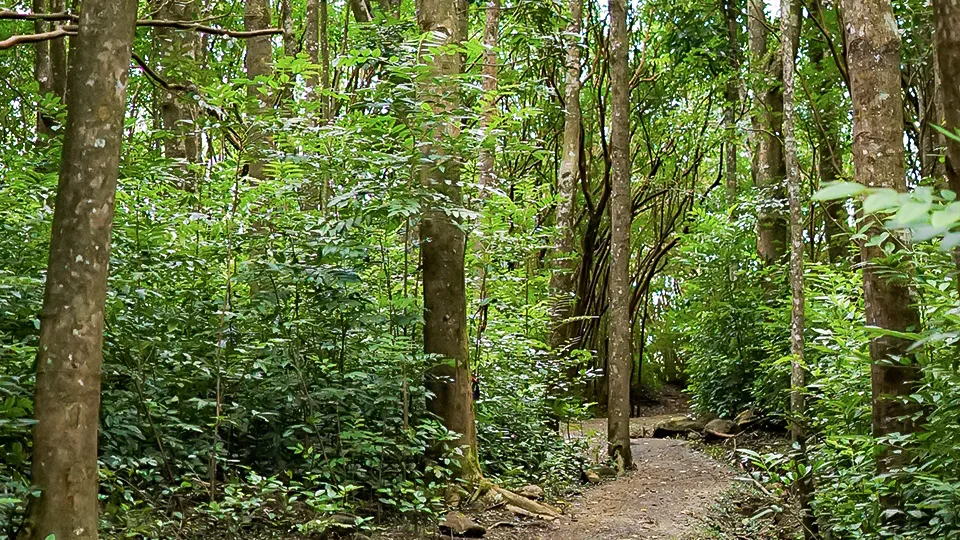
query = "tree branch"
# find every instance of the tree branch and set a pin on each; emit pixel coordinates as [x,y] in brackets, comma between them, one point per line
[151,23]
[13,41]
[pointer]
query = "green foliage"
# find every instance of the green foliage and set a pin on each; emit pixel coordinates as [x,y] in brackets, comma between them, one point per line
[729,350]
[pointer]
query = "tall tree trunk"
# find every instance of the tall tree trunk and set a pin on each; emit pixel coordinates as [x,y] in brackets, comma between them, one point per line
[768,167]
[289,35]
[317,45]
[361,10]
[256,16]
[790,36]
[442,240]
[562,286]
[70,350]
[178,49]
[732,91]
[830,159]
[41,68]
[947,20]
[49,65]
[873,57]
[490,83]
[621,218]
[58,55]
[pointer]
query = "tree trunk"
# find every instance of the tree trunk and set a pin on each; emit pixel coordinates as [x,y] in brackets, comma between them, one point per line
[361,10]
[947,20]
[256,16]
[621,218]
[947,23]
[289,36]
[490,83]
[790,32]
[562,286]
[873,57]
[442,240]
[70,350]
[178,49]
[830,160]
[768,167]
[50,63]
[732,90]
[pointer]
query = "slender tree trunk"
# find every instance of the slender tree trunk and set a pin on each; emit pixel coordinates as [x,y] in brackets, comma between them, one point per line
[58,55]
[490,82]
[830,159]
[361,10]
[873,57]
[768,167]
[256,16]
[621,218]
[947,15]
[289,35]
[317,45]
[790,36]
[178,49]
[70,350]
[562,286]
[732,91]
[41,68]
[49,64]
[443,241]
[947,70]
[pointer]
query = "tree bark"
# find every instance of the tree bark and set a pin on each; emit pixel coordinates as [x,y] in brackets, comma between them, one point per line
[256,16]
[768,167]
[621,218]
[830,160]
[361,10]
[947,21]
[790,36]
[873,57]
[70,350]
[732,91]
[442,240]
[490,82]
[177,50]
[49,66]
[562,285]
[289,36]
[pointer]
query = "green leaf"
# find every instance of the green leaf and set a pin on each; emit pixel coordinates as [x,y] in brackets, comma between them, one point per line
[946,217]
[948,195]
[838,190]
[950,241]
[881,199]
[912,212]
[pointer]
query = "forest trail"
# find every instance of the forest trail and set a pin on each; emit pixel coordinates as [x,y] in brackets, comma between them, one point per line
[667,497]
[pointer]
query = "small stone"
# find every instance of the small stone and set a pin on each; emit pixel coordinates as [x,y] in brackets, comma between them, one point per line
[591,477]
[607,472]
[721,429]
[532,492]
[458,524]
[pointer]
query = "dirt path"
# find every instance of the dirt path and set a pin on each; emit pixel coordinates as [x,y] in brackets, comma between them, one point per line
[672,489]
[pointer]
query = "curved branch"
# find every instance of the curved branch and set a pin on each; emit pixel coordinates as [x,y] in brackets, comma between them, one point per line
[13,41]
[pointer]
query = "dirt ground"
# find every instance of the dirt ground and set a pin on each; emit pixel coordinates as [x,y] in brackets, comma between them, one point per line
[667,497]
